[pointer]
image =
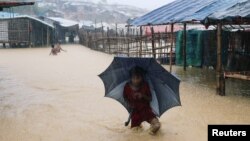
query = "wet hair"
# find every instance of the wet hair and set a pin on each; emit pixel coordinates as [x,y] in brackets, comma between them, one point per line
[137,71]
[52,45]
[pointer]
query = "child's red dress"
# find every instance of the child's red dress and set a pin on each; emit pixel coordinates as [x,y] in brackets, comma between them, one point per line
[141,107]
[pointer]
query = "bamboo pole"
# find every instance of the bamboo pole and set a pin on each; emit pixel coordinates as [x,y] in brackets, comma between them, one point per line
[29,33]
[116,34]
[87,40]
[184,47]
[171,47]
[153,42]
[123,41]
[42,36]
[108,40]
[219,72]
[103,42]
[48,36]
[238,75]
[136,46]
[159,44]
[140,51]
[95,36]
[128,40]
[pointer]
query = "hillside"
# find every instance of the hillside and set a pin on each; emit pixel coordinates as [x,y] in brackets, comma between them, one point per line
[87,10]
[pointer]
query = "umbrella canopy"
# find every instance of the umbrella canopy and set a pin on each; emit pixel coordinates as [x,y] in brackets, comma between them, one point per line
[164,86]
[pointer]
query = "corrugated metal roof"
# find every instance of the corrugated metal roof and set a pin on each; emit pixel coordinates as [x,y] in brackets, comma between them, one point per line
[64,22]
[184,10]
[238,10]
[36,19]
[6,15]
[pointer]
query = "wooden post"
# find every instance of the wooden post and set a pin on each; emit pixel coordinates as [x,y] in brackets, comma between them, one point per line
[122,40]
[159,45]
[95,29]
[103,41]
[116,39]
[108,40]
[185,47]
[128,40]
[48,36]
[166,47]
[87,41]
[171,47]
[42,36]
[95,39]
[146,45]
[136,47]
[153,42]
[29,33]
[140,51]
[116,30]
[219,72]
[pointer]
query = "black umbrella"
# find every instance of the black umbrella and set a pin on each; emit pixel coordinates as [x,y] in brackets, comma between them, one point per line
[163,85]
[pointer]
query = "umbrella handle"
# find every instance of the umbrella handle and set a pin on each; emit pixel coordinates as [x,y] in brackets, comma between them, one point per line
[128,121]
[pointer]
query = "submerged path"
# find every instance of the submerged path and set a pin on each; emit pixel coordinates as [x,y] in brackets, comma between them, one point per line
[49,98]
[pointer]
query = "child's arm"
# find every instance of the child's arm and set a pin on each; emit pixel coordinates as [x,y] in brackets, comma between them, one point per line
[63,50]
[147,96]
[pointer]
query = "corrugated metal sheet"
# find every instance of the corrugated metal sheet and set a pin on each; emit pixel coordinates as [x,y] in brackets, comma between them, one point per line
[240,9]
[5,16]
[185,10]
[64,22]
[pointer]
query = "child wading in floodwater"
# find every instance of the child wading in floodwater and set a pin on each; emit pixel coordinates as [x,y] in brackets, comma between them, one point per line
[53,50]
[56,49]
[138,96]
[59,48]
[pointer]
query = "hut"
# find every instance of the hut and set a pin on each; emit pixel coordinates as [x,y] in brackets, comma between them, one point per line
[218,13]
[201,48]
[65,30]
[26,31]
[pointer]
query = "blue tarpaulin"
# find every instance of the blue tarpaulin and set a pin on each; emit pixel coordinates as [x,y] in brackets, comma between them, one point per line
[190,10]
[201,48]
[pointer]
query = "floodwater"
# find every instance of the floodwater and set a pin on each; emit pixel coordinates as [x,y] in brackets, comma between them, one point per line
[49,98]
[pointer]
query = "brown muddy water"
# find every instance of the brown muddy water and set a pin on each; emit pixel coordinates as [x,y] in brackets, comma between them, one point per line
[49,98]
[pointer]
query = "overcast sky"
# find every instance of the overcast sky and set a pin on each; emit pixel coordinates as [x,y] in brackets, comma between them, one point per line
[146,4]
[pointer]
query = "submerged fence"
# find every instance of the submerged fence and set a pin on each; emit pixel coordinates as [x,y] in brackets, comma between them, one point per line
[133,42]
[227,52]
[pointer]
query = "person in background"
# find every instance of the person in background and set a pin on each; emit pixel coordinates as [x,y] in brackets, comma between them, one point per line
[59,48]
[53,50]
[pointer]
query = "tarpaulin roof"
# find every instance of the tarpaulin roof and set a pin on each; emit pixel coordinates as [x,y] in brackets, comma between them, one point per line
[184,11]
[13,4]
